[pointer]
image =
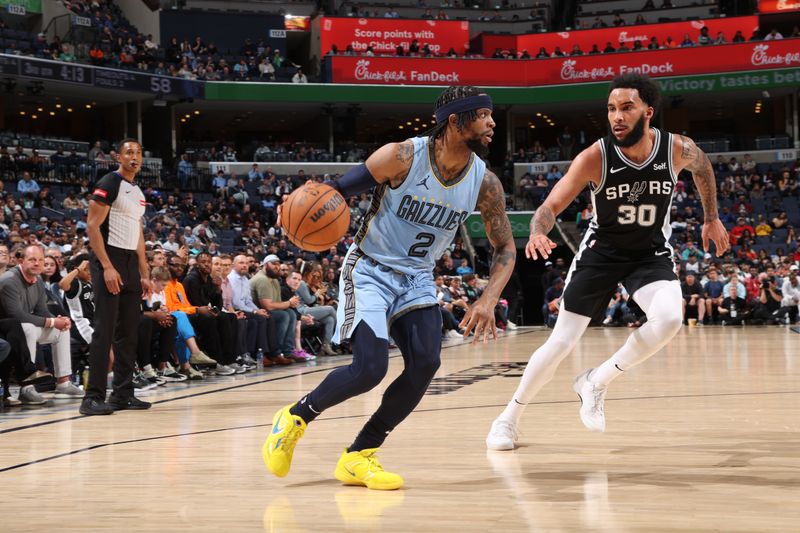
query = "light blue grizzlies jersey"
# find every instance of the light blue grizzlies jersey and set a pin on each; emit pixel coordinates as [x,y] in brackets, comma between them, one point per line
[410,227]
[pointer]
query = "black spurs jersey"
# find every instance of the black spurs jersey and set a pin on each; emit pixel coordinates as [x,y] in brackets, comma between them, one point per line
[632,202]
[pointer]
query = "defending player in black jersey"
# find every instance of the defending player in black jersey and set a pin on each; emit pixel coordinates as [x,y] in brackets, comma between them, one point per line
[631,174]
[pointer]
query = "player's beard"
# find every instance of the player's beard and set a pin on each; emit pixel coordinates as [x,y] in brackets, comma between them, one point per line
[633,137]
[480,149]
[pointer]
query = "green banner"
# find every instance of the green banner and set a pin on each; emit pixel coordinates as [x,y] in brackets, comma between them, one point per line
[30,6]
[332,92]
[734,81]
[520,224]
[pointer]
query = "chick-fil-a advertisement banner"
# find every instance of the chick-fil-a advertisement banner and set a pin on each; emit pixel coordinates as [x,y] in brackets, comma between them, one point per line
[385,35]
[778,6]
[577,69]
[628,34]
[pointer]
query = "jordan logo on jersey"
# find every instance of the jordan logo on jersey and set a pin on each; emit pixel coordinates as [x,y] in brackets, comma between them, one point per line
[637,190]
[424,183]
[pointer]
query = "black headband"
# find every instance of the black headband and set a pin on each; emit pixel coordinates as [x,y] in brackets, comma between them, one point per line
[470,103]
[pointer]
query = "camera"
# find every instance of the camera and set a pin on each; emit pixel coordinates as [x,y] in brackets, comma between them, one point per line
[765,284]
[156,306]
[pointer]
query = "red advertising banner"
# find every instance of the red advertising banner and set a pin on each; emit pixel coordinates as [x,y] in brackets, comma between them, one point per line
[384,35]
[778,6]
[643,32]
[579,69]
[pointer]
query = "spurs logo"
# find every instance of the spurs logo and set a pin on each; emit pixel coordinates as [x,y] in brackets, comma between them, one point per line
[637,190]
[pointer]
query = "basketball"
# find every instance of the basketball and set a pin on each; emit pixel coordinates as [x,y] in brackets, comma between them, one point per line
[315,217]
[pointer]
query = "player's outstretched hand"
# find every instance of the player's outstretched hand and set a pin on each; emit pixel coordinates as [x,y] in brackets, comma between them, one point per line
[479,320]
[715,231]
[539,245]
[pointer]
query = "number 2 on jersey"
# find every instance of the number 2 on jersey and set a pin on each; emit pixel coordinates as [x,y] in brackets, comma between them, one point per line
[418,249]
[644,215]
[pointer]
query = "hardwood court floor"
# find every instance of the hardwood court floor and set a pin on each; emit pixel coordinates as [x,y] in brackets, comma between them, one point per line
[705,436]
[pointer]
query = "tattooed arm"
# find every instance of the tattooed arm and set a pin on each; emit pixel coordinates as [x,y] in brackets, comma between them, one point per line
[492,205]
[391,162]
[585,168]
[696,161]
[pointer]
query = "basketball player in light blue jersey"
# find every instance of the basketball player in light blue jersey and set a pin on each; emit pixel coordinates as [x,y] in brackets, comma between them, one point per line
[424,188]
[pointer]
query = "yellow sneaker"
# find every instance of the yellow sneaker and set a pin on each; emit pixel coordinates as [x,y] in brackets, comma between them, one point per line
[279,446]
[363,468]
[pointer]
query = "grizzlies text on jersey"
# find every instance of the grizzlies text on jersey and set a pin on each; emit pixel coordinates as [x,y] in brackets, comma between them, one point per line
[409,228]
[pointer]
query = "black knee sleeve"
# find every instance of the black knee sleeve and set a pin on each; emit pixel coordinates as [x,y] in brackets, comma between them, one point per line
[370,362]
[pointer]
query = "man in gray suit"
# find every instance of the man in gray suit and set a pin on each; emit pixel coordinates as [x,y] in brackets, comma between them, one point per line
[23,297]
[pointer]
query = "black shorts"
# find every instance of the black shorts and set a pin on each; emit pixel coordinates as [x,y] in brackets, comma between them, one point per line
[598,267]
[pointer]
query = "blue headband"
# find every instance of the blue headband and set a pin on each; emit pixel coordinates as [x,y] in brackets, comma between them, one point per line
[469,103]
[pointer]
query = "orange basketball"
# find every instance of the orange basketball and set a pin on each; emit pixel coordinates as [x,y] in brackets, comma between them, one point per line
[315,217]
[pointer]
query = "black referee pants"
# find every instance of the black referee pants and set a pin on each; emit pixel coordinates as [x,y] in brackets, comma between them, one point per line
[116,322]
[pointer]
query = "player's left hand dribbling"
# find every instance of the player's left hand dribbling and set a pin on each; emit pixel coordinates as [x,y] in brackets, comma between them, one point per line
[715,231]
[480,321]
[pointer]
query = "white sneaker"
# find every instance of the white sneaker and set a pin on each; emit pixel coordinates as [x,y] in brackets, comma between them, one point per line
[170,375]
[453,334]
[237,368]
[592,399]
[200,358]
[511,325]
[503,435]
[68,390]
[29,396]
[223,370]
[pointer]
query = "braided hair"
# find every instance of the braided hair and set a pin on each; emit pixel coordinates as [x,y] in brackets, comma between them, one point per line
[451,94]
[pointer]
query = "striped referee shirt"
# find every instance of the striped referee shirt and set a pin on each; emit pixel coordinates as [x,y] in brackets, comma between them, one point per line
[123,225]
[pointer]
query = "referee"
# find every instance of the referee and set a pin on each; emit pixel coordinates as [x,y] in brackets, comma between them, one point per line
[120,273]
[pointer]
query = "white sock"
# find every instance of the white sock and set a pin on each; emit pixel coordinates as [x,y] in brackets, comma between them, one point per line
[605,373]
[513,411]
[148,368]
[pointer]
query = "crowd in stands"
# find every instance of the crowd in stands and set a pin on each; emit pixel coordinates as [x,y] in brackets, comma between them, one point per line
[270,151]
[483,11]
[114,42]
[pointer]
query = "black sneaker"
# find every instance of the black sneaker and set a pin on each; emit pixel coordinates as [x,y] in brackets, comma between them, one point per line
[132,403]
[91,406]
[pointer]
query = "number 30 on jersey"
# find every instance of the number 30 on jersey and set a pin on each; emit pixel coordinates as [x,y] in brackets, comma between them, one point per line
[644,215]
